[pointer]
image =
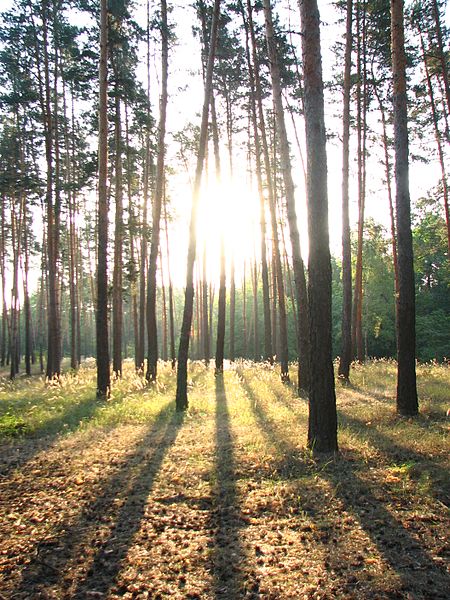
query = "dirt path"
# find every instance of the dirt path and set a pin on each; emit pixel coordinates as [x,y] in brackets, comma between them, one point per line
[221,503]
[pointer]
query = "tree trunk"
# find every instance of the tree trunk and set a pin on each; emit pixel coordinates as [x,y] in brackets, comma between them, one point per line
[346,352]
[152,335]
[118,244]
[232,309]
[205,328]
[103,374]
[322,426]
[280,348]
[256,354]
[357,340]
[387,167]
[299,271]
[407,401]
[171,309]
[221,311]
[50,126]
[181,394]
[268,350]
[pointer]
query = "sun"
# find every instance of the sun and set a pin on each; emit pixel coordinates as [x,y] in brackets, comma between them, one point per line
[229,209]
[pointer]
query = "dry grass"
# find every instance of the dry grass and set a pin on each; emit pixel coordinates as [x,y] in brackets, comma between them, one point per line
[127,499]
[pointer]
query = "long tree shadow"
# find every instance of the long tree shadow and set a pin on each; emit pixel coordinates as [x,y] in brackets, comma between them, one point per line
[432,470]
[120,503]
[228,554]
[402,552]
[293,463]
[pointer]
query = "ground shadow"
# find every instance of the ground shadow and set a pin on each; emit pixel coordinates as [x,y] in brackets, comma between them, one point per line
[119,504]
[228,554]
[402,552]
[20,451]
[292,464]
[399,454]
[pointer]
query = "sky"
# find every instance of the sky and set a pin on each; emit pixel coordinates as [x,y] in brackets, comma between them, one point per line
[233,209]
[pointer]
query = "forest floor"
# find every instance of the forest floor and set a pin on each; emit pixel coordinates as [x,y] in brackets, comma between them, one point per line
[127,499]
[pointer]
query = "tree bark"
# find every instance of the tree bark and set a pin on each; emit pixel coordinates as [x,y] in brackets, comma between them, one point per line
[346,351]
[322,425]
[279,342]
[181,393]
[117,294]
[157,204]
[407,401]
[299,271]
[103,374]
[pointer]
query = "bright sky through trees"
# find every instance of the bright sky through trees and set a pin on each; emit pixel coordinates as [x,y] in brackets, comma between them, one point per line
[239,195]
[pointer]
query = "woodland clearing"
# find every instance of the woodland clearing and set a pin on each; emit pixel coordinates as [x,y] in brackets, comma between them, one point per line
[128,499]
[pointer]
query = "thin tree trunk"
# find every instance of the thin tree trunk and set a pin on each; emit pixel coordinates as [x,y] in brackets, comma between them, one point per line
[281,348]
[255,311]
[3,278]
[103,373]
[117,294]
[268,350]
[157,204]
[164,345]
[232,309]
[322,425]
[299,271]
[171,309]
[407,401]
[358,293]
[221,311]
[205,329]
[181,394]
[346,352]
[50,126]
[387,167]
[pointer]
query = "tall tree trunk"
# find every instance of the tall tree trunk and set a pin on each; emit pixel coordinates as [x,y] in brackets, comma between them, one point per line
[244,312]
[132,234]
[26,296]
[181,394]
[299,271]
[205,328]
[103,374]
[50,126]
[232,309]
[117,294]
[346,352]
[280,348]
[255,311]
[157,204]
[164,345]
[268,350]
[357,340]
[322,425]
[3,278]
[221,311]
[171,309]
[387,168]
[407,401]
